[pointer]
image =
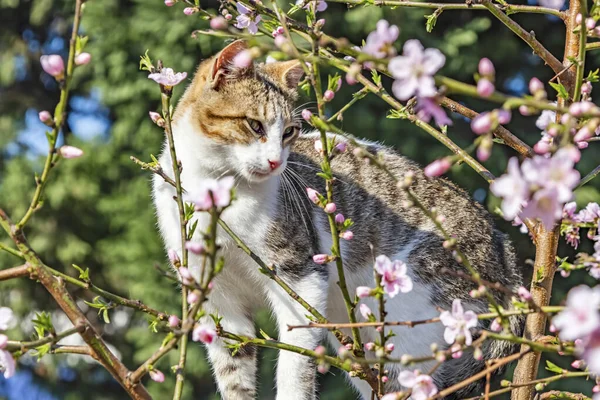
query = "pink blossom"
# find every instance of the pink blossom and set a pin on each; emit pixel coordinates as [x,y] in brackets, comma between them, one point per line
[535,85]
[173,321]
[591,352]
[545,119]
[45,117]
[320,351]
[542,147]
[394,277]
[157,376]
[167,77]
[314,5]
[438,167]
[339,218]
[513,188]
[458,322]
[556,172]
[218,23]
[328,95]
[204,333]
[486,67]
[389,347]
[170,3]
[83,58]
[193,297]
[306,114]
[70,151]
[186,275]
[363,291]
[485,87]
[247,19]
[591,213]
[484,150]
[586,88]
[209,189]
[370,346]
[414,70]
[194,247]
[341,147]
[365,311]
[3,341]
[544,204]
[379,43]
[482,123]
[313,195]
[422,385]
[320,258]
[524,294]
[456,351]
[347,235]
[243,59]
[330,208]
[496,326]
[503,116]
[569,210]
[190,10]
[478,354]
[428,107]
[53,65]
[580,317]
[173,257]
[7,364]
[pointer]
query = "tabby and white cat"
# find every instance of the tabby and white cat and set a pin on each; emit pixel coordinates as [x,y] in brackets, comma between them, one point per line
[242,122]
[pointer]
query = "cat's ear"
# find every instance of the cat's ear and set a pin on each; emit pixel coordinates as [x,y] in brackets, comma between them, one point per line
[288,73]
[224,68]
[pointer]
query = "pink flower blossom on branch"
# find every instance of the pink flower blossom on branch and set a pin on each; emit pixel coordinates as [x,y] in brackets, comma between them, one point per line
[581,316]
[379,43]
[7,364]
[157,376]
[247,19]
[213,192]
[168,77]
[428,107]
[83,58]
[414,70]
[53,65]
[394,276]
[422,385]
[316,5]
[203,333]
[458,323]
[70,151]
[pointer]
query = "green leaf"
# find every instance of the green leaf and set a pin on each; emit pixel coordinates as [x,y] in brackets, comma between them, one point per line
[593,76]
[42,324]
[145,63]
[397,114]
[332,82]
[550,366]
[42,350]
[80,43]
[561,90]
[376,77]
[105,315]
[431,20]
[83,275]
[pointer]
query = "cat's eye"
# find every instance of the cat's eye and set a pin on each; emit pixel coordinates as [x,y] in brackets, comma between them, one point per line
[289,131]
[256,126]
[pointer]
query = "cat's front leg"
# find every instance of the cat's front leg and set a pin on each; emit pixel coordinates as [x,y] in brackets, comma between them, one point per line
[235,374]
[296,373]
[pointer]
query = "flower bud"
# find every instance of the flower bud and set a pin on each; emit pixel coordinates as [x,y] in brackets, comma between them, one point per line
[3,341]
[218,23]
[319,146]
[384,379]
[46,118]
[347,235]
[496,326]
[195,247]
[170,3]
[339,218]
[320,258]
[313,195]
[330,208]
[70,152]
[363,291]
[320,351]
[524,294]
[341,147]
[578,364]
[535,86]
[484,150]
[590,23]
[157,376]
[578,18]
[306,114]
[190,10]
[389,347]
[193,297]
[485,88]
[328,95]
[53,65]
[586,88]
[525,111]
[478,354]
[323,368]
[504,116]
[365,311]
[482,123]
[486,67]
[173,321]
[83,58]
[542,147]
[173,257]
[370,346]
[438,167]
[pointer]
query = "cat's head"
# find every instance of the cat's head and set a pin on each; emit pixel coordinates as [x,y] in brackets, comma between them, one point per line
[246,112]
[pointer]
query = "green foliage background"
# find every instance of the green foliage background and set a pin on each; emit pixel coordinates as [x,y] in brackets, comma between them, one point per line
[97,210]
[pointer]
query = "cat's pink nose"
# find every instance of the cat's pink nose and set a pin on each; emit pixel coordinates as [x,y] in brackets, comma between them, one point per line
[274,164]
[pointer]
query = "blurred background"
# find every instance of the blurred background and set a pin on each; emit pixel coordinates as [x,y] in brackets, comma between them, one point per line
[98,212]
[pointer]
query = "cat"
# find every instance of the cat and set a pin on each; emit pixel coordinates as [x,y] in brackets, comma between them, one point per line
[241,121]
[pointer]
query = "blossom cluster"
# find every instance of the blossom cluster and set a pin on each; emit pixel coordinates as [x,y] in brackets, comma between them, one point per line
[539,187]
